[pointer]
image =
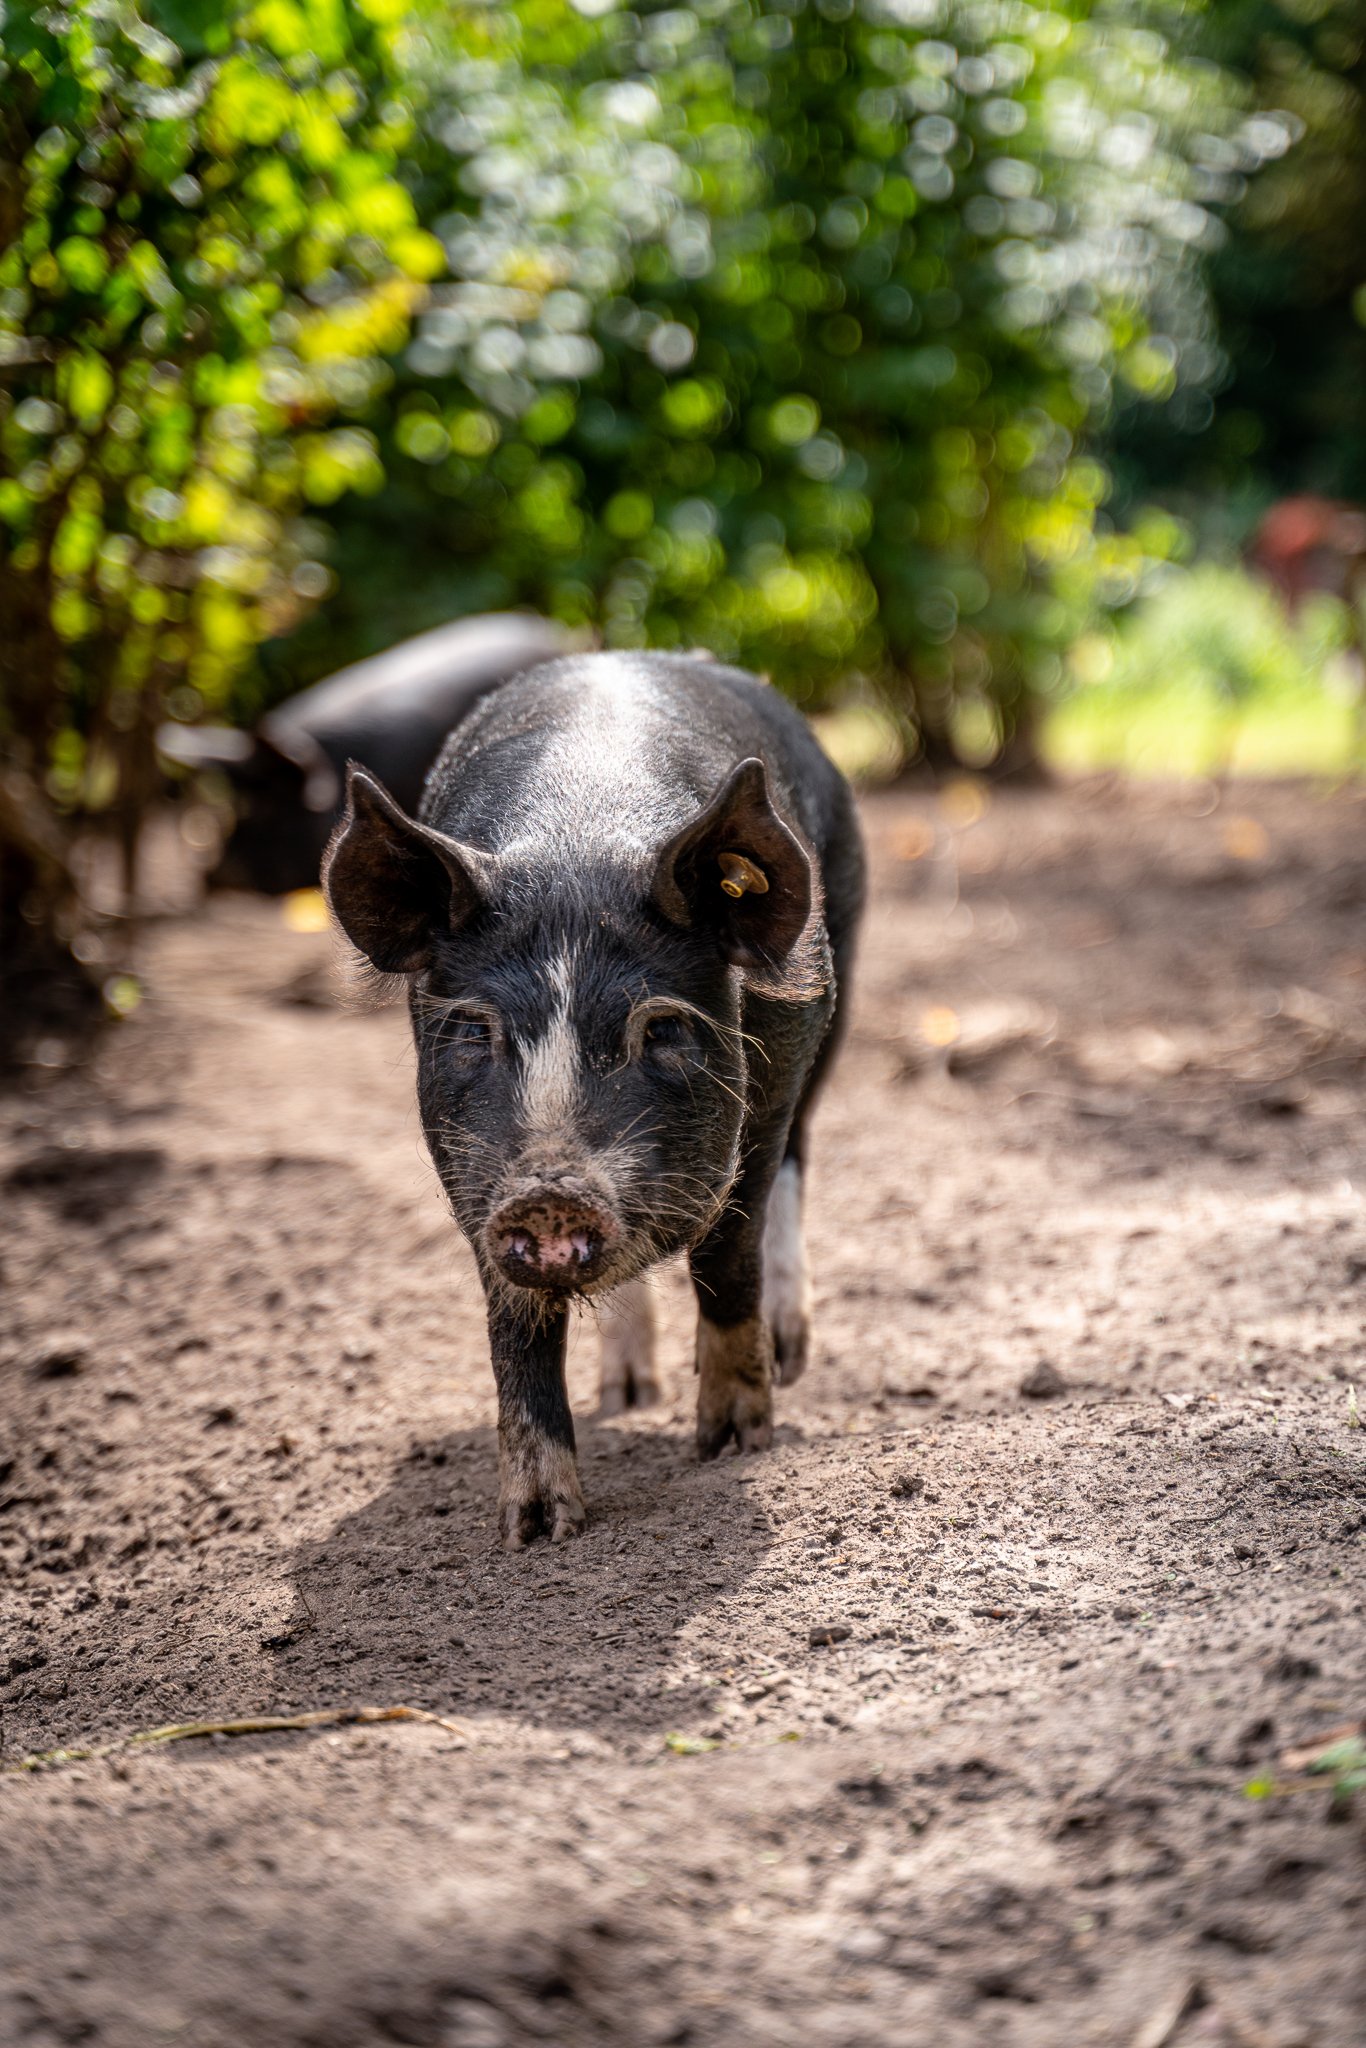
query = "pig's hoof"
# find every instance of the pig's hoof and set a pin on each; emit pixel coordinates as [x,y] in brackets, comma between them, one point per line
[566,1519]
[734,1398]
[791,1348]
[540,1496]
[751,1430]
[523,1520]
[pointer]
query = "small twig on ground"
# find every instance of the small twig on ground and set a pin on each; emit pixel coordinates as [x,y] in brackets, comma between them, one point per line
[1160,2027]
[1208,1521]
[256,1724]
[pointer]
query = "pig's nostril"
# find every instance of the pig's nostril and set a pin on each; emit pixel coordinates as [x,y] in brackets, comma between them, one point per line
[542,1241]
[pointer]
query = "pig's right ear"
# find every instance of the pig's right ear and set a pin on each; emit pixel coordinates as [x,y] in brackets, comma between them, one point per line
[395,885]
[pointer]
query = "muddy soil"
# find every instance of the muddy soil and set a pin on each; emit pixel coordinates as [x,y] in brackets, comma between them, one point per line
[935,1726]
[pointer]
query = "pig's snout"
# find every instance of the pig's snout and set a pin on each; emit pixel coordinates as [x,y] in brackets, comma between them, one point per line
[557,1236]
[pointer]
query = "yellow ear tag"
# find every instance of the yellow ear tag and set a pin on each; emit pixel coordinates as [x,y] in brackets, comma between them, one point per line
[739,875]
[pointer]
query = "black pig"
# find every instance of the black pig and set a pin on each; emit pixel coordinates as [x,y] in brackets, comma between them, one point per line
[626,913]
[392,712]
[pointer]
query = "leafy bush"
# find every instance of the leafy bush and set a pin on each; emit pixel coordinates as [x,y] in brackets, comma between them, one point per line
[1288,282]
[782,330]
[207,255]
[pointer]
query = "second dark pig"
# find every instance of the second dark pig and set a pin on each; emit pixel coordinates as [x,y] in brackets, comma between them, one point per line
[391,712]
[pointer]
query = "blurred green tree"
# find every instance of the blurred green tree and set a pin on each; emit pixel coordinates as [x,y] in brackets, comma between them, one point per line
[204,257]
[1281,404]
[785,330]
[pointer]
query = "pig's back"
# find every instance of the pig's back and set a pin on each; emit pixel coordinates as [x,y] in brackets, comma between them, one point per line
[618,750]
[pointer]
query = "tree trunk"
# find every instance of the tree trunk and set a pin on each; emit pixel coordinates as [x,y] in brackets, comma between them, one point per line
[1020,759]
[45,992]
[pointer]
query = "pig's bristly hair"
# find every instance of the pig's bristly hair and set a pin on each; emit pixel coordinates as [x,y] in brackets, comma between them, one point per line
[356,982]
[680,1208]
[807,973]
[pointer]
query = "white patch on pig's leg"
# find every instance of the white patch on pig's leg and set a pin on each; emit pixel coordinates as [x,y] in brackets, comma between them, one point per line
[787,1289]
[626,1325]
[538,1489]
[735,1385]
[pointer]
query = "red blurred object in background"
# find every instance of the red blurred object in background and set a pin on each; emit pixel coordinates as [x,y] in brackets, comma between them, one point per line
[1307,543]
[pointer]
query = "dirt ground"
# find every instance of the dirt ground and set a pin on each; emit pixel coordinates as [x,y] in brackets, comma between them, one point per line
[1073,1482]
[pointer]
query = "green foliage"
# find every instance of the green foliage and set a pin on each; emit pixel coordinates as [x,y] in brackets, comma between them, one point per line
[1344,1765]
[206,258]
[1228,637]
[1276,401]
[777,329]
[782,330]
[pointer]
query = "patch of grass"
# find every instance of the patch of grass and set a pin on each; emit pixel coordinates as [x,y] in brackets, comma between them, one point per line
[1209,675]
[1171,730]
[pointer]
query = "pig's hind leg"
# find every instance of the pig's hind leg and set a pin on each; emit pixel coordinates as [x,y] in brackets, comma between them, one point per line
[787,1288]
[787,1285]
[626,1325]
[738,1361]
[538,1480]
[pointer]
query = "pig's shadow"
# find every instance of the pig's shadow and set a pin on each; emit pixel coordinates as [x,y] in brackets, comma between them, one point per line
[410,1599]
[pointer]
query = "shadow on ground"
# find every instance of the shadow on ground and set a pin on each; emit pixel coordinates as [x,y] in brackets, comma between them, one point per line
[411,1598]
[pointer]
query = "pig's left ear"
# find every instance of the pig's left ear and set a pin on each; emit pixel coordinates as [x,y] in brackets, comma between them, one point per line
[395,885]
[738,870]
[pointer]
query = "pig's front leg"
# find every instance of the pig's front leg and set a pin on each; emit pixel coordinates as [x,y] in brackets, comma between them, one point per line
[734,1335]
[538,1481]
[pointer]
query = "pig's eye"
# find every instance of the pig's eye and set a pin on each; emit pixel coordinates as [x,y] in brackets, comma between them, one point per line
[469,1035]
[665,1034]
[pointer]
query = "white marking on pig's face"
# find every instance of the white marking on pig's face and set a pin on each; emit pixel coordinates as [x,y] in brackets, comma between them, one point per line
[552,1065]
